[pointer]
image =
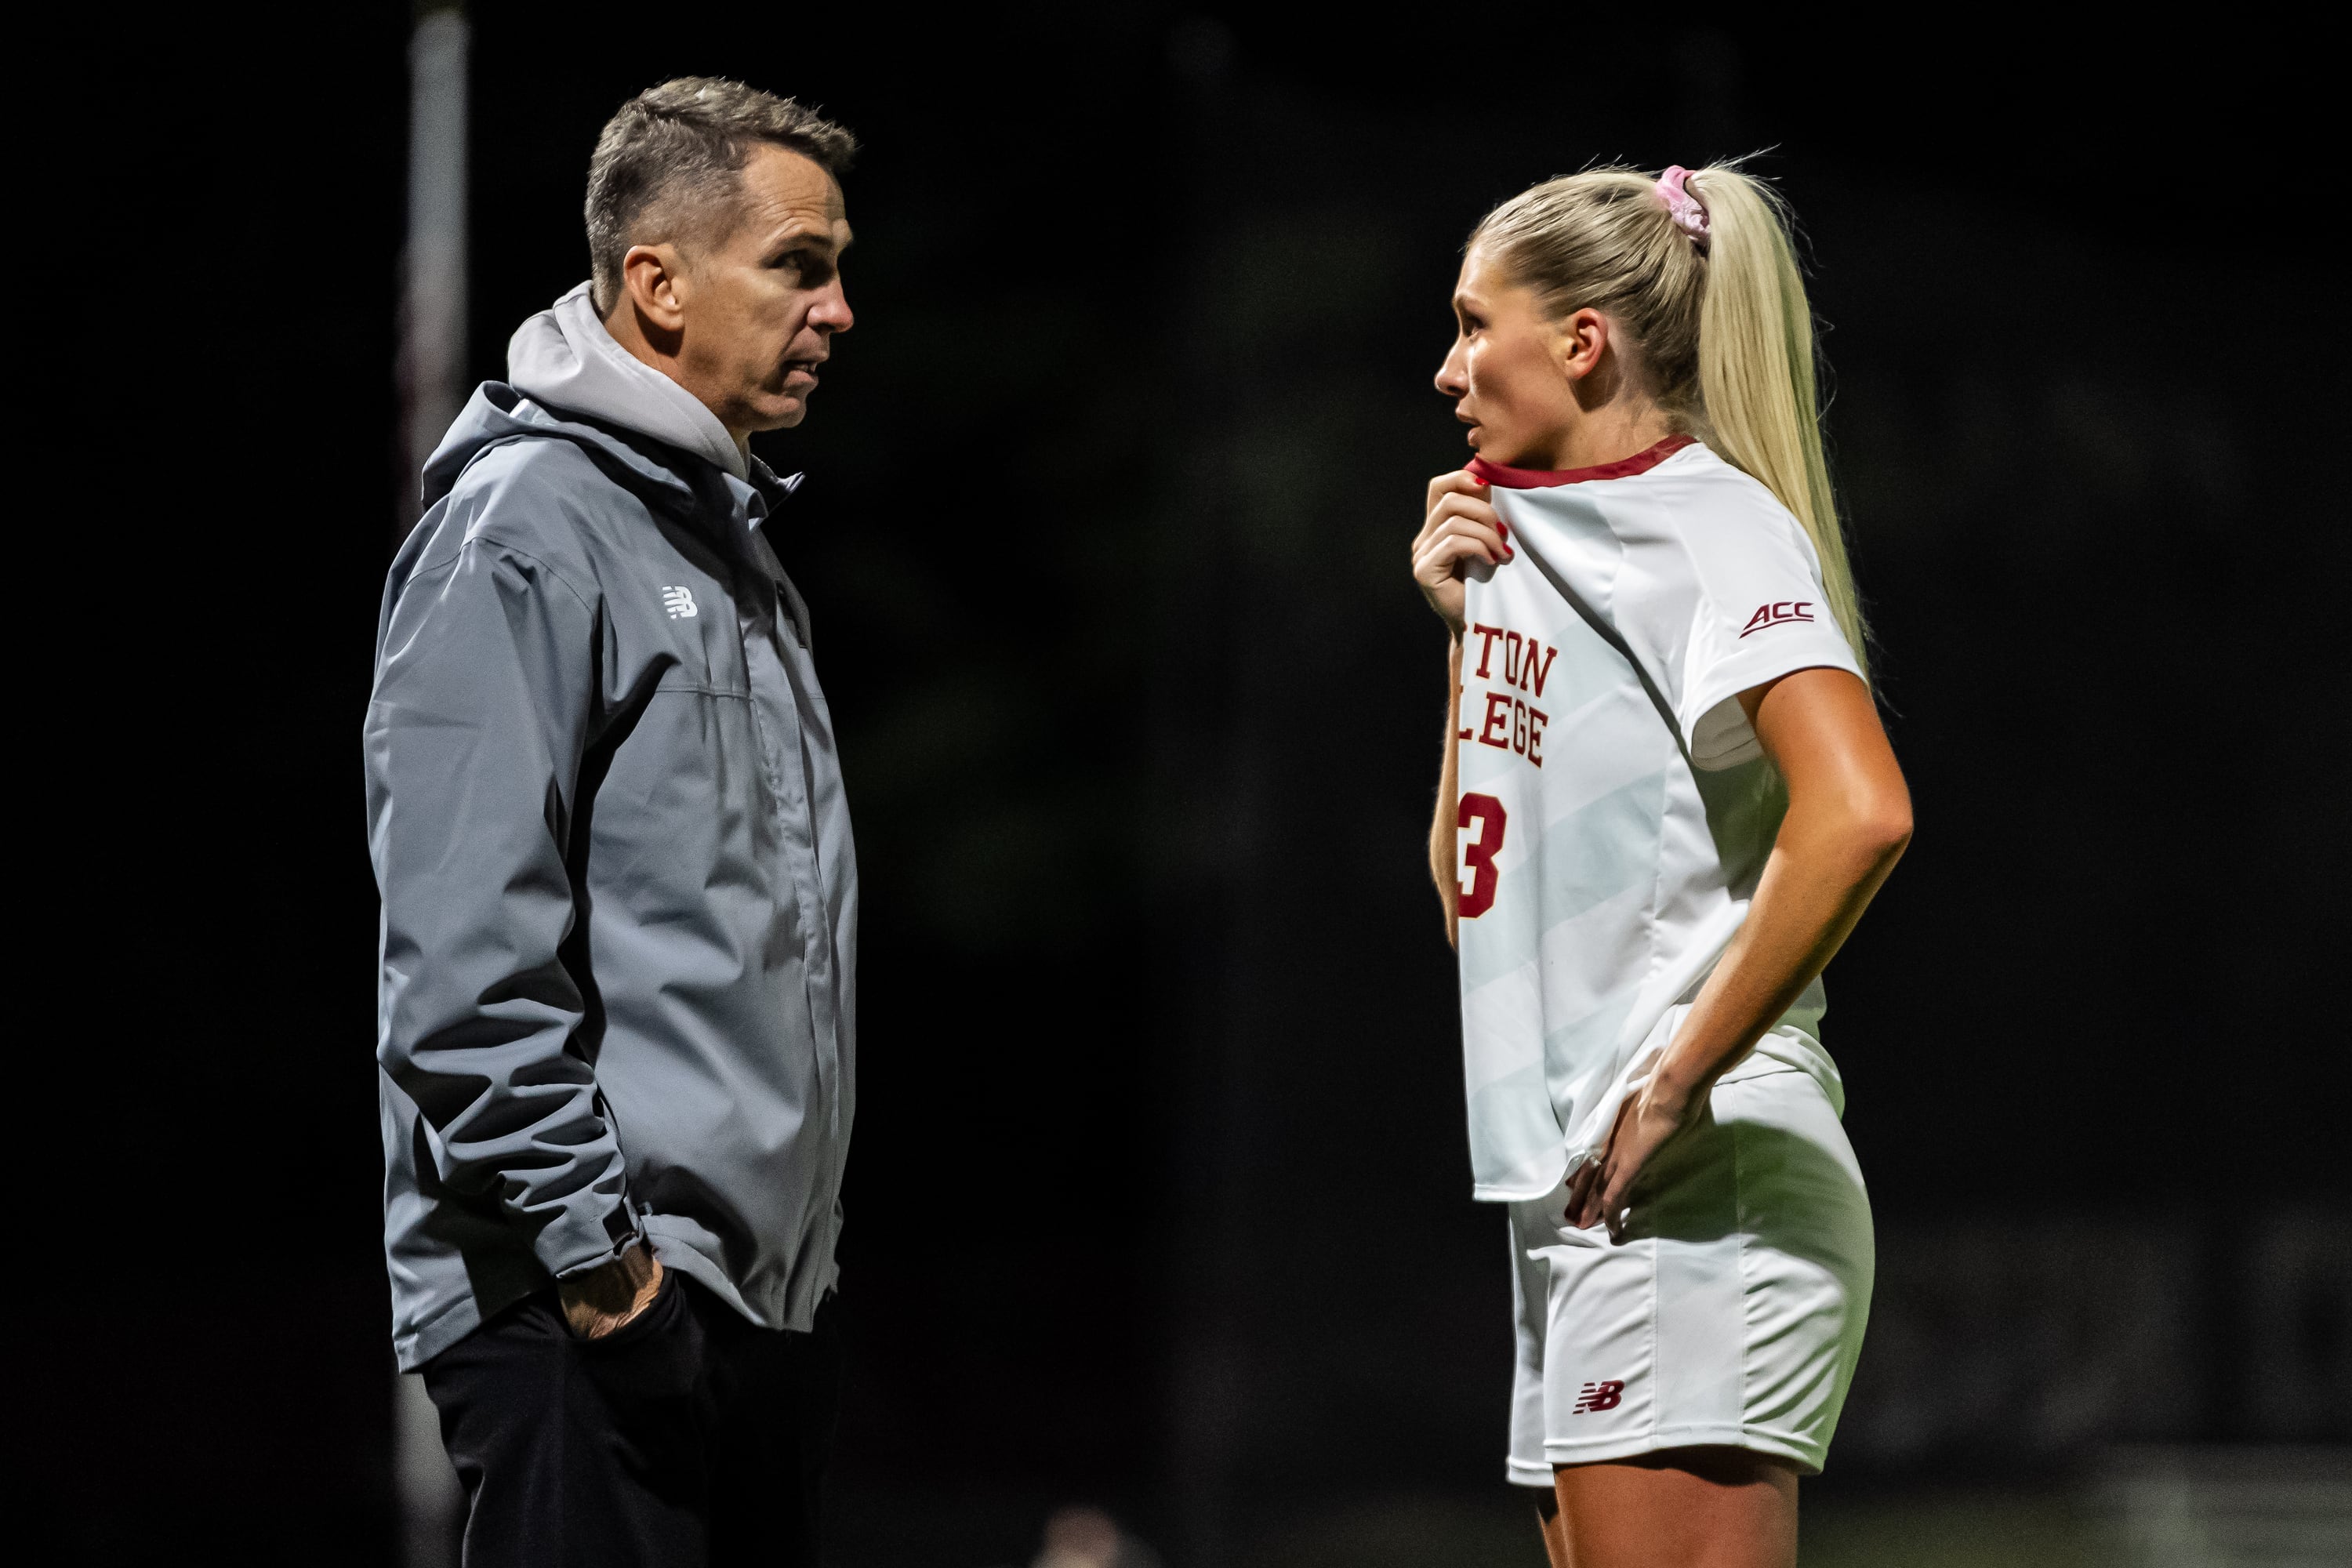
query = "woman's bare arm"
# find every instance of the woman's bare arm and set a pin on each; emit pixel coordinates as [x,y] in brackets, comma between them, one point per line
[1848,821]
[1460,527]
[1445,854]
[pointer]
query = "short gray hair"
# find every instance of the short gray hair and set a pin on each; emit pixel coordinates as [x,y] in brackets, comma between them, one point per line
[683,146]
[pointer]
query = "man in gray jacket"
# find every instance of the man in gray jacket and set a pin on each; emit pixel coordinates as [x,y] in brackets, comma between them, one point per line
[617,999]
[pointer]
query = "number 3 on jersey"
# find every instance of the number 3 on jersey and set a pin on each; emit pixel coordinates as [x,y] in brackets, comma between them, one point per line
[1479,854]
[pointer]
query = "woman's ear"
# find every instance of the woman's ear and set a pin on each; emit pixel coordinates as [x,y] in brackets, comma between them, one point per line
[1583,339]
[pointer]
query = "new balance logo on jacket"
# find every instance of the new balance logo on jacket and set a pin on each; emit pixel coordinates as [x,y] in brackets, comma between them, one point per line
[679,603]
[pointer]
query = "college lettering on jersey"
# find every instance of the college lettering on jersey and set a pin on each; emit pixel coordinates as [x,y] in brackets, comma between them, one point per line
[1510,722]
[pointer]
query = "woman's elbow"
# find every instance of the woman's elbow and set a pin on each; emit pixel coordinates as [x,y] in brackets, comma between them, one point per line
[1868,828]
[1883,833]
[1862,829]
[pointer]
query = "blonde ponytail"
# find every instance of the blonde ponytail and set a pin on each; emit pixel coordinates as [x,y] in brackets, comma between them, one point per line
[1756,370]
[1724,332]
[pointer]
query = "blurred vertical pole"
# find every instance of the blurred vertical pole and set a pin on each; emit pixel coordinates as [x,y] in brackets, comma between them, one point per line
[432,1504]
[433,263]
[432,372]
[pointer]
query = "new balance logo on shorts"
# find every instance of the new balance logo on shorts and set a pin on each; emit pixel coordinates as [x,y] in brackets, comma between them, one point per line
[679,603]
[1598,1396]
[1779,614]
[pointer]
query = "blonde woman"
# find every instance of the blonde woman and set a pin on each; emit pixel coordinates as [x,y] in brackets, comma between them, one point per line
[1666,800]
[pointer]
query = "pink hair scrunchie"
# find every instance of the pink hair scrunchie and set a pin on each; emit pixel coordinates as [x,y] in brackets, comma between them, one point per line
[1688,212]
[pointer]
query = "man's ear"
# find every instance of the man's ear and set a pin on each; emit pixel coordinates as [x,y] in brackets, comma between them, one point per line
[653,279]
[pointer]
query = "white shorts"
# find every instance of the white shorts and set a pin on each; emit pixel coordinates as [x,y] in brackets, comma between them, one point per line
[1731,1313]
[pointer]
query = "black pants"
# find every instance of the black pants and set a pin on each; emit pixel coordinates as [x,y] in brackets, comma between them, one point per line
[687,1437]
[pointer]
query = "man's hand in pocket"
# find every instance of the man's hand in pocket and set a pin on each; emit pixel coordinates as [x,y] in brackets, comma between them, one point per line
[601,1300]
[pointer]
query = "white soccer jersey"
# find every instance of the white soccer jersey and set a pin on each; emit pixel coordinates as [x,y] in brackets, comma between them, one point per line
[1616,808]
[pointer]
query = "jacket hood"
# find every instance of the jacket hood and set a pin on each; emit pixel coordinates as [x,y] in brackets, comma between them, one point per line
[498,414]
[562,357]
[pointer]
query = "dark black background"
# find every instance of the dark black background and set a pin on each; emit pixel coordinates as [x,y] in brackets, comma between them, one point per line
[1159,1195]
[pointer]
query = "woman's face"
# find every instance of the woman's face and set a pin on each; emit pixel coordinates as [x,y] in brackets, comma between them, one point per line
[1506,372]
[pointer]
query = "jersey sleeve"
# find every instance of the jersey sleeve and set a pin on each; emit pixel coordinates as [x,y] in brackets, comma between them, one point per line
[1760,614]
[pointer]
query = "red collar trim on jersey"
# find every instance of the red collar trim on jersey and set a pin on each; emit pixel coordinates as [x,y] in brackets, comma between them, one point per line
[1487,473]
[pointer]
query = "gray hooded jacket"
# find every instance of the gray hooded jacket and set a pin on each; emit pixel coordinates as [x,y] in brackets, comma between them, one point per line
[620,902]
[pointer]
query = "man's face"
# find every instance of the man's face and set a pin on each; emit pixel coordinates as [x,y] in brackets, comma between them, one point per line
[761,304]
